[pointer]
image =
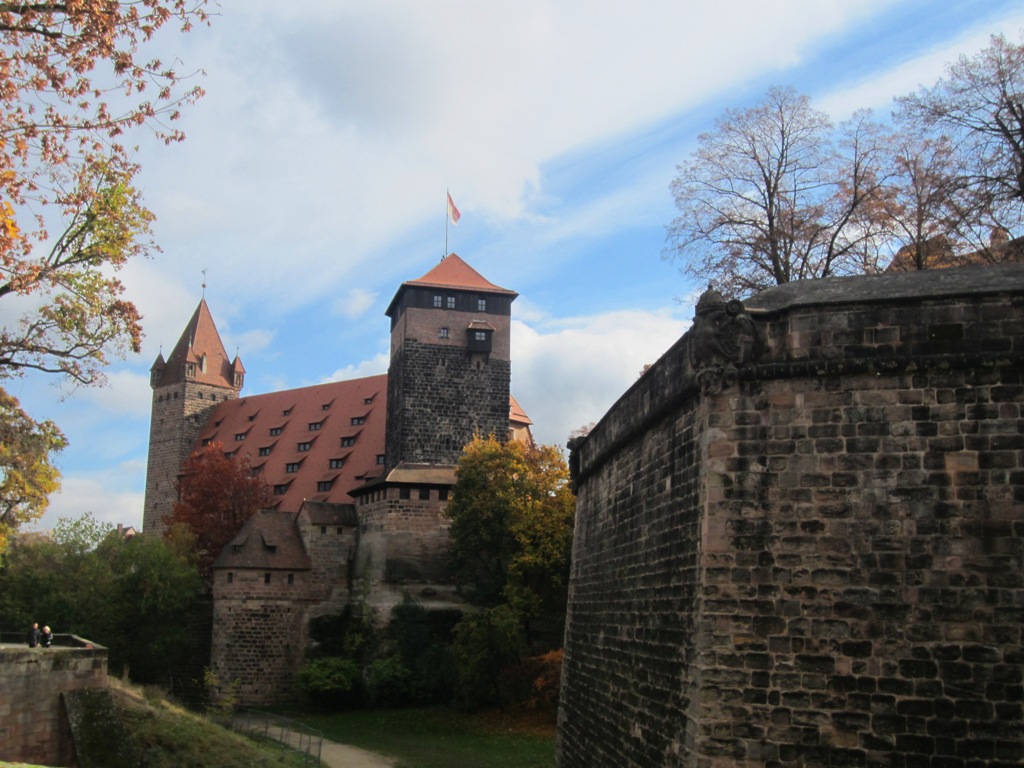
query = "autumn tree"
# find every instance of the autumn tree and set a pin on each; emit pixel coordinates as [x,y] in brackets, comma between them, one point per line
[978,107]
[775,193]
[27,476]
[216,496]
[512,516]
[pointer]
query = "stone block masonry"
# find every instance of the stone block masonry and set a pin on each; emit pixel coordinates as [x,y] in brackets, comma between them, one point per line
[800,536]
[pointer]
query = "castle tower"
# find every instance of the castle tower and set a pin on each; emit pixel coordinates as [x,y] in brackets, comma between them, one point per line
[450,364]
[186,387]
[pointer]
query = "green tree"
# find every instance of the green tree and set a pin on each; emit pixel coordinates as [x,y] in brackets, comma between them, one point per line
[512,518]
[27,476]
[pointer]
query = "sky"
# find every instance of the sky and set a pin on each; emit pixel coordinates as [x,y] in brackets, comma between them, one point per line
[313,182]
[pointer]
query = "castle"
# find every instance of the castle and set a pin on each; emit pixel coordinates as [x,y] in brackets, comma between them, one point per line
[360,470]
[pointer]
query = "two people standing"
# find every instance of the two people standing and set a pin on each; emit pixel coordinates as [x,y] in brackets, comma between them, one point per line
[35,637]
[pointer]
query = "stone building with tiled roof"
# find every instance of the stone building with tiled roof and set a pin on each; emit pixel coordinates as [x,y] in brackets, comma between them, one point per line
[360,470]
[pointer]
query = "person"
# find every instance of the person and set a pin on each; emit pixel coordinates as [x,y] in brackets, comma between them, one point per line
[46,638]
[33,636]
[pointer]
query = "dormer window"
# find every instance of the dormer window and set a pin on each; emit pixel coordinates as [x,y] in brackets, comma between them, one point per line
[281,489]
[380,458]
[336,463]
[314,426]
[303,447]
[348,442]
[324,485]
[190,370]
[275,431]
[265,450]
[357,420]
[240,436]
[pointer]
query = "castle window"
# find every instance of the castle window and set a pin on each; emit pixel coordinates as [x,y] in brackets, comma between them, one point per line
[291,578]
[265,450]
[324,485]
[231,577]
[348,442]
[442,333]
[340,530]
[303,447]
[292,466]
[336,463]
[403,493]
[451,302]
[480,335]
[240,436]
[442,495]
[207,441]
[314,426]
[201,395]
[286,412]
[357,420]
[437,300]
[424,494]
[481,305]
[323,529]
[281,489]
[266,577]
[380,458]
[275,431]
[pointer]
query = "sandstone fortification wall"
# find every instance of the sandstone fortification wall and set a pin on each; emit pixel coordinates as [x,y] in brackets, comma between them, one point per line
[800,535]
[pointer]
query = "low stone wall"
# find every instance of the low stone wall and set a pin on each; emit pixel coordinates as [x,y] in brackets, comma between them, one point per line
[800,536]
[31,683]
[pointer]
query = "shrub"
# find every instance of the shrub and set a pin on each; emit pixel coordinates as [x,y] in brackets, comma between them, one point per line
[331,681]
[533,685]
[389,683]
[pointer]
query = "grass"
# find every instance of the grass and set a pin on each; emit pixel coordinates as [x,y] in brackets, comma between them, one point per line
[442,738]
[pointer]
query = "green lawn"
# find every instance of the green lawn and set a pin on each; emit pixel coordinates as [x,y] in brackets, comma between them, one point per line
[442,738]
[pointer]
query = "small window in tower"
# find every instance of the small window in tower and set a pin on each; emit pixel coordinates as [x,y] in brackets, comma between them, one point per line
[380,458]
[231,577]
[265,450]
[348,442]
[266,578]
[442,495]
[481,305]
[336,463]
[424,494]
[201,395]
[291,578]
[403,493]
[480,335]
[442,333]
[314,426]
[437,300]
[323,529]
[357,420]
[324,485]
[281,489]
[292,466]
[451,302]
[303,447]
[275,431]
[240,436]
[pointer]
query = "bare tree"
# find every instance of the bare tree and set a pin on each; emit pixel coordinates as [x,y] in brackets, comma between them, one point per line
[776,194]
[979,107]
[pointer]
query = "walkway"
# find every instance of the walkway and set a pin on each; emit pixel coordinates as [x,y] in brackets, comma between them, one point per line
[343,756]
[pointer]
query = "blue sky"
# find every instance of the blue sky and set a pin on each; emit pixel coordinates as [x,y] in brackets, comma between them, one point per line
[312,183]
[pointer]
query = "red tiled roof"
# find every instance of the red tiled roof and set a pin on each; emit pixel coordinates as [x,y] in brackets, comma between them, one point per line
[516,414]
[453,272]
[199,338]
[311,424]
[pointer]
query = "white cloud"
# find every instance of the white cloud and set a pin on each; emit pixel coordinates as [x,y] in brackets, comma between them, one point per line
[568,373]
[356,303]
[372,367]
[105,495]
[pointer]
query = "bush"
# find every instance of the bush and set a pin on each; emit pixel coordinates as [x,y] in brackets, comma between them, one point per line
[331,681]
[389,683]
[533,685]
[485,644]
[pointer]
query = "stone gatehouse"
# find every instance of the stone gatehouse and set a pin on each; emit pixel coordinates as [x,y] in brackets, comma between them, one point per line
[800,535]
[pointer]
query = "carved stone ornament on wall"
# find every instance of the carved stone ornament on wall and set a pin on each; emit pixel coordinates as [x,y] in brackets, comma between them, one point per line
[722,339]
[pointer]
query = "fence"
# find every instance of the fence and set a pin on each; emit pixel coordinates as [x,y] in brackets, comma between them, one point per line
[298,736]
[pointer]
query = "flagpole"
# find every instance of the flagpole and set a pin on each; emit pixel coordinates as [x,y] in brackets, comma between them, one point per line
[447,216]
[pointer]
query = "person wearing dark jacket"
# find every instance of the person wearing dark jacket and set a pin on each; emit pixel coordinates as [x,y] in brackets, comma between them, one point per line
[33,636]
[46,638]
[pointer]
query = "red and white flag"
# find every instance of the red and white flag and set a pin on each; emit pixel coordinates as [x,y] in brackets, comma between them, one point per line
[453,212]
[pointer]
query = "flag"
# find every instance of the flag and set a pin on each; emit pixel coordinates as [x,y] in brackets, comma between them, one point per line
[453,212]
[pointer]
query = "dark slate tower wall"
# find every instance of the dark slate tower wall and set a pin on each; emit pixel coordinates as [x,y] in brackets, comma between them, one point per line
[441,393]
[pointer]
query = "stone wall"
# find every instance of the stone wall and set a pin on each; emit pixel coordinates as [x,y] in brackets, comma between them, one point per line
[438,401]
[31,683]
[800,537]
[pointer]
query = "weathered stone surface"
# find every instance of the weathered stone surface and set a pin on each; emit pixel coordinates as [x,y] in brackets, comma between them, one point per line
[821,563]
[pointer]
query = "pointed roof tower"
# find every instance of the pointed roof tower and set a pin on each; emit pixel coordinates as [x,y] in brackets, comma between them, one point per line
[198,356]
[451,272]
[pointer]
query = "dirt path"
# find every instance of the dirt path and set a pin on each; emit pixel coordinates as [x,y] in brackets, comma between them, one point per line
[343,756]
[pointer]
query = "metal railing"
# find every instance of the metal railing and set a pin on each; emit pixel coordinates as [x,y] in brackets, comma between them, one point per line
[299,737]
